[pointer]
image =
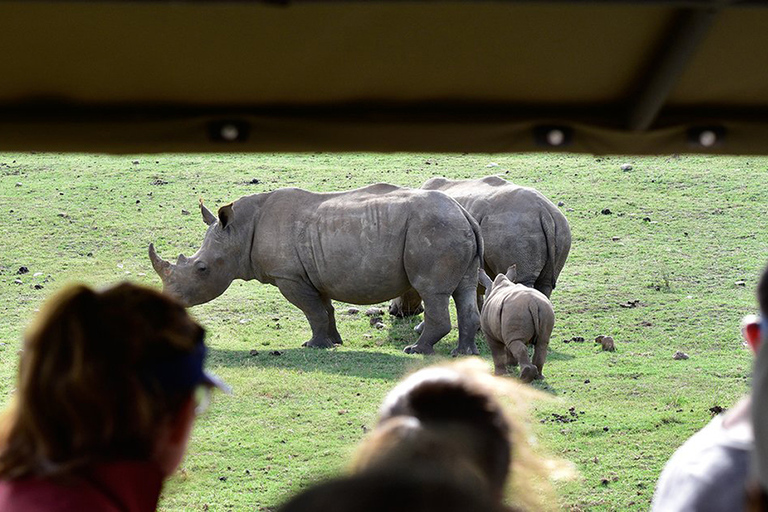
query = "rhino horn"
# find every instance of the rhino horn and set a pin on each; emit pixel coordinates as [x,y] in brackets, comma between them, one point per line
[181,259]
[162,267]
[208,217]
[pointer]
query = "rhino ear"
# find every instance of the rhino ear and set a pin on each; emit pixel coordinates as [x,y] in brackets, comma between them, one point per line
[512,273]
[208,217]
[226,215]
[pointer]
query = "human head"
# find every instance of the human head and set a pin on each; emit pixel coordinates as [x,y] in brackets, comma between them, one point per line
[104,375]
[415,491]
[443,415]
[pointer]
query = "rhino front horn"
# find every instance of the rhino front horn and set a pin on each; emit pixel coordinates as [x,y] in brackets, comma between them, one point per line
[162,267]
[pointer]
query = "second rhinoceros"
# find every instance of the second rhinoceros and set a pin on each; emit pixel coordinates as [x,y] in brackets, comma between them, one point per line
[520,227]
[513,317]
[361,246]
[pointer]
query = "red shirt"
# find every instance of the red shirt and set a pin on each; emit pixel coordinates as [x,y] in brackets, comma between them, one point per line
[130,486]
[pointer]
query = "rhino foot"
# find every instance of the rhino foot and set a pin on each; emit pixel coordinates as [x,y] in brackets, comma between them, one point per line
[465,351]
[528,373]
[419,349]
[318,343]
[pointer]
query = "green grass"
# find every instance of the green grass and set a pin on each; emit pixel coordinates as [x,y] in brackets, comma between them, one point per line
[683,230]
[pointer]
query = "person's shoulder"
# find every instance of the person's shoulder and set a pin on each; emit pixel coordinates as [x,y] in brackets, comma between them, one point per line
[38,495]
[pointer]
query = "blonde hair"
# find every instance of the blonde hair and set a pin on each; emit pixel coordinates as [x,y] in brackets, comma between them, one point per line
[467,425]
[88,389]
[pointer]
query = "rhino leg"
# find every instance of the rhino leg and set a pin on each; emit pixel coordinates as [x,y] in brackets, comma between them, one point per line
[437,323]
[519,351]
[309,301]
[540,353]
[469,319]
[499,354]
[333,332]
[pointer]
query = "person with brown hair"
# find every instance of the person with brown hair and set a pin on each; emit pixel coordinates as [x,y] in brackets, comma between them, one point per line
[109,385]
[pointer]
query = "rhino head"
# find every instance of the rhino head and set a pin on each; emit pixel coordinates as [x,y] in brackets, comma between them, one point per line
[208,273]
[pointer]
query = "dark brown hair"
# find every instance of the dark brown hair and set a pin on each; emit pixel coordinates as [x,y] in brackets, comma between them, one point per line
[87,385]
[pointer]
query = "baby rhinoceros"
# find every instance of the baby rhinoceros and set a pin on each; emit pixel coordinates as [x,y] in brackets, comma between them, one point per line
[513,317]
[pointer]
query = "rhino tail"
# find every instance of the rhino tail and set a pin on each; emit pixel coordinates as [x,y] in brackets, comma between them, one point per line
[533,309]
[478,236]
[545,283]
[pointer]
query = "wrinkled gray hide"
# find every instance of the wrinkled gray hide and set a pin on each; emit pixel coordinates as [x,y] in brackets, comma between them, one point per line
[520,227]
[515,316]
[362,246]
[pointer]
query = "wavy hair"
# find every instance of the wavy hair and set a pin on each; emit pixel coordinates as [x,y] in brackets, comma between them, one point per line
[85,392]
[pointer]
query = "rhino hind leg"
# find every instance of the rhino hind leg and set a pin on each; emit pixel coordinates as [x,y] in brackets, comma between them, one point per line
[468,318]
[519,351]
[314,307]
[437,323]
[499,354]
[333,332]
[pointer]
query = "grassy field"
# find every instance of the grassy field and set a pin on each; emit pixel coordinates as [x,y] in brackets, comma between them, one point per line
[679,239]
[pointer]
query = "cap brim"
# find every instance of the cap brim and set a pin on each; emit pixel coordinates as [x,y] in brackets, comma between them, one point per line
[215,382]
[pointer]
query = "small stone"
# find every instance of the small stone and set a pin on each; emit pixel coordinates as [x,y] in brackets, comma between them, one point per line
[253,352]
[374,312]
[492,164]
[375,320]
[615,238]
[680,356]
[578,339]
[368,336]
[648,219]
[716,409]
[18,281]
[740,283]
[244,320]
[135,162]
[560,203]
[221,478]
[22,270]
[18,184]
[606,211]
[605,429]
[352,311]
[626,167]
[275,353]
[254,181]
[586,381]
[63,215]
[569,209]
[184,212]
[37,274]
[379,325]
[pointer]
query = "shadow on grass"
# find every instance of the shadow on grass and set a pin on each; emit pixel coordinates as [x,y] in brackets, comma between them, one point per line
[358,363]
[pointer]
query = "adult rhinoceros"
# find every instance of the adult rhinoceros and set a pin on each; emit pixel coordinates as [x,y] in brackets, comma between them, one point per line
[520,227]
[361,246]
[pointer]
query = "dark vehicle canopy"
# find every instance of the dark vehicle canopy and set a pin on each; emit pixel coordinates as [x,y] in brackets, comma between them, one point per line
[439,76]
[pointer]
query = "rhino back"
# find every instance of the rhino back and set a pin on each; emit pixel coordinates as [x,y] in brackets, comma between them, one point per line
[352,246]
[513,311]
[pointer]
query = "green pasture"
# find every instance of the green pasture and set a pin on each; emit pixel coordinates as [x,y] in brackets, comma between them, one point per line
[665,257]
